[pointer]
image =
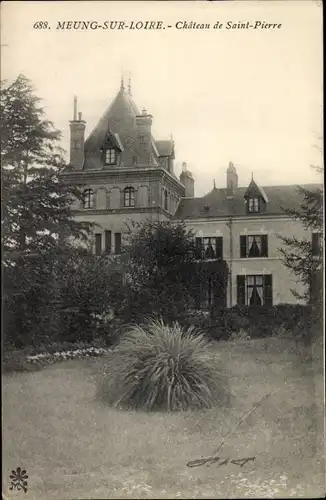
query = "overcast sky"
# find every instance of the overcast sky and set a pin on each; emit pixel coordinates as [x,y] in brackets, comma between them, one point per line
[253,97]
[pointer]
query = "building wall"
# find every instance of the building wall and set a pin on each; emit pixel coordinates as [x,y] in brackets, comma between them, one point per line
[283,281]
[121,222]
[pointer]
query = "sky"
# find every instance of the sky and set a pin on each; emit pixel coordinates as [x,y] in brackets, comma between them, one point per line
[250,96]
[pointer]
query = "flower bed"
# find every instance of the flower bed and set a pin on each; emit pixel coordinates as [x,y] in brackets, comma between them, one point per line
[49,358]
[25,360]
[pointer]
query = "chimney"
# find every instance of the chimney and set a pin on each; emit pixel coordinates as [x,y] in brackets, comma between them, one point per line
[144,136]
[231,180]
[187,180]
[77,139]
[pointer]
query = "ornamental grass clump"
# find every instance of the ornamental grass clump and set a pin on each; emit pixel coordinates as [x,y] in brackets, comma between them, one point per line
[160,367]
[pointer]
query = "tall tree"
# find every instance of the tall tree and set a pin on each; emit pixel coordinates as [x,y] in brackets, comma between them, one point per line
[36,206]
[36,209]
[304,257]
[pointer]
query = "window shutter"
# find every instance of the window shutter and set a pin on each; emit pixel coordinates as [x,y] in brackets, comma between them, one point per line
[219,247]
[264,245]
[268,289]
[315,243]
[117,241]
[98,244]
[108,241]
[241,290]
[243,246]
[198,248]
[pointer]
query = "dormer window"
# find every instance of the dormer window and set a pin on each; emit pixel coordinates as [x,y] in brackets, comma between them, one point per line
[110,157]
[253,205]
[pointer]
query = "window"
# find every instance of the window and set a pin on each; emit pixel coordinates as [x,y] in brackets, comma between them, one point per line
[209,293]
[108,241]
[98,244]
[88,200]
[129,197]
[253,205]
[316,244]
[110,157]
[209,248]
[142,139]
[165,200]
[117,241]
[255,290]
[254,246]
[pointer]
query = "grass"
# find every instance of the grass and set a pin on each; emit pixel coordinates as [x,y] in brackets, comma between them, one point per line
[73,446]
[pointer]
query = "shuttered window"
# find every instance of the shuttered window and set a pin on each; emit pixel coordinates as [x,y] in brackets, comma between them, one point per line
[117,242]
[315,241]
[253,246]
[108,241]
[209,247]
[98,244]
[255,290]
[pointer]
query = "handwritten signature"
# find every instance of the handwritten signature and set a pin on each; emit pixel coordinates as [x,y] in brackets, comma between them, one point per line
[215,460]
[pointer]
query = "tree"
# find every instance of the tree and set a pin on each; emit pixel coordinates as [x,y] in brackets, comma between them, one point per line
[161,270]
[36,203]
[38,228]
[304,257]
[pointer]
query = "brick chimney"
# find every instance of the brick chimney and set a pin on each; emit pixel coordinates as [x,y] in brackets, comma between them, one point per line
[77,139]
[144,137]
[231,180]
[187,180]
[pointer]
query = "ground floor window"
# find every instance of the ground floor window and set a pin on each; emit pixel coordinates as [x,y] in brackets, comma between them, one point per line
[255,290]
[210,294]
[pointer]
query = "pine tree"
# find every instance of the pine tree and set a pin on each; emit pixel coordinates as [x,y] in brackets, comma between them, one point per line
[36,209]
[38,228]
[304,257]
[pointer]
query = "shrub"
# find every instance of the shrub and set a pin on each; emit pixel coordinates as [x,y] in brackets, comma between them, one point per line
[161,367]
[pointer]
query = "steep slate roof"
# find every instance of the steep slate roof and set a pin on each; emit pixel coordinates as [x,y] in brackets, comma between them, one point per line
[220,206]
[120,119]
[121,110]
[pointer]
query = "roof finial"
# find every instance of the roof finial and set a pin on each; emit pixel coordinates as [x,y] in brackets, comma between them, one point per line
[122,86]
[252,176]
[214,184]
[129,84]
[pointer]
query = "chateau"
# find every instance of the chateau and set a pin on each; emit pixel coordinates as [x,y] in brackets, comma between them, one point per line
[129,177]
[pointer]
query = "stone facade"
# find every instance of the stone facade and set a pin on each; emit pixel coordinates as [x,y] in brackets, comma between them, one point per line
[127,174]
[129,177]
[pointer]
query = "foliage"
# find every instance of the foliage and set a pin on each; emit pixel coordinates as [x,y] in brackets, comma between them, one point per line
[300,255]
[161,367]
[36,203]
[71,304]
[38,227]
[300,321]
[88,295]
[162,273]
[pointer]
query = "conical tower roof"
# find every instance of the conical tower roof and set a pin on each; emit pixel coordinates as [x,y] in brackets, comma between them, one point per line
[118,117]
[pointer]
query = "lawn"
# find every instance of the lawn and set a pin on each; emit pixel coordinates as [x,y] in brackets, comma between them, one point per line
[74,447]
